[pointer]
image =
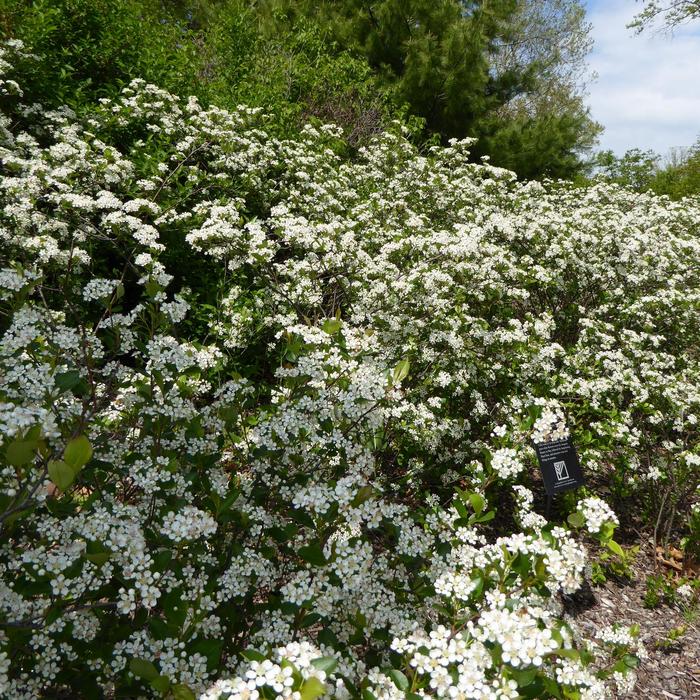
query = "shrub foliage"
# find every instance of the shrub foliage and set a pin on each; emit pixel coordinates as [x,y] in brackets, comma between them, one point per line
[266,413]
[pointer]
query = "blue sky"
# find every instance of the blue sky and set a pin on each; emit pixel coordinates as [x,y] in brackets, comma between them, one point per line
[647,94]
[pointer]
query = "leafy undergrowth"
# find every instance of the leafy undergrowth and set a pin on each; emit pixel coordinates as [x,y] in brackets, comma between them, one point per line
[267,414]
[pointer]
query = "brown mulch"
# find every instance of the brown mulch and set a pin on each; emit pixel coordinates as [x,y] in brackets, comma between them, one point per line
[669,673]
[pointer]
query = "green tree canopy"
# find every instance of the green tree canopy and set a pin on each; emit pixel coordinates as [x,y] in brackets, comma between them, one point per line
[508,72]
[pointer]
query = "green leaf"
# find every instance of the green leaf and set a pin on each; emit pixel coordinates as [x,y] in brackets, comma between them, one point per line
[53,615]
[534,412]
[551,687]
[486,517]
[152,287]
[460,508]
[174,607]
[162,559]
[20,452]
[607,531]
[67,380]
[401,371]
[283,534]
[364,494]
[568,654]
[615,548]
[332,326]
[399,678]
[143,669]
[327,638]
[77,453]
[523,677]
[160,683]
[630,660]
[313,554]
[33,434]
[252,655]
[182,692]
[312,689]
[310,620]
[211,648]
[576,519]
[477,501]
[327,664]
[61,474]
[99,558]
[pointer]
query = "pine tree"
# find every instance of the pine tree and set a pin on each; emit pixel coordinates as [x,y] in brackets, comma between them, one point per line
[508,72]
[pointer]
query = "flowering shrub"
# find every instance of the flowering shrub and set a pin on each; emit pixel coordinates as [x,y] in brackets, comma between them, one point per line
[267,415]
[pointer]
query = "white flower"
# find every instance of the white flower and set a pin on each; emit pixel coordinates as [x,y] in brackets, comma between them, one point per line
[188,524]
[596,513]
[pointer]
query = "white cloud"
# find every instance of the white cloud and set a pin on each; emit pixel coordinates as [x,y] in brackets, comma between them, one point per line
[648,90]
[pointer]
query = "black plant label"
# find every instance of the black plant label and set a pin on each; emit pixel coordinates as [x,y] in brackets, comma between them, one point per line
[560,467]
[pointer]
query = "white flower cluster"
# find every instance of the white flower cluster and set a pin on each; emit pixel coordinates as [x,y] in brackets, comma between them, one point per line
[458,664]
[528,519]
[98,288]
[505,463]
[616,634]
[550,426]
[261,441]
[686,593]
[15,280]
[4,669]
[435,655]
[623,639]
[188,524]
[276,675]
[596,513]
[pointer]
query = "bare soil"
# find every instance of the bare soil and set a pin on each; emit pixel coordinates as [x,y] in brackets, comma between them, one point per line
[672,671]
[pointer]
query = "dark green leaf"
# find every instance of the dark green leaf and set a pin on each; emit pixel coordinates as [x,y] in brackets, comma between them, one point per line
[160,683]
[310,619]
[210,648]
[143,669]
[252,655]
[182,692]
[313,554]
[327,638]
[20,452]
[67,380]
[399,678]
[523,677]
[98,558]
[327,664]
